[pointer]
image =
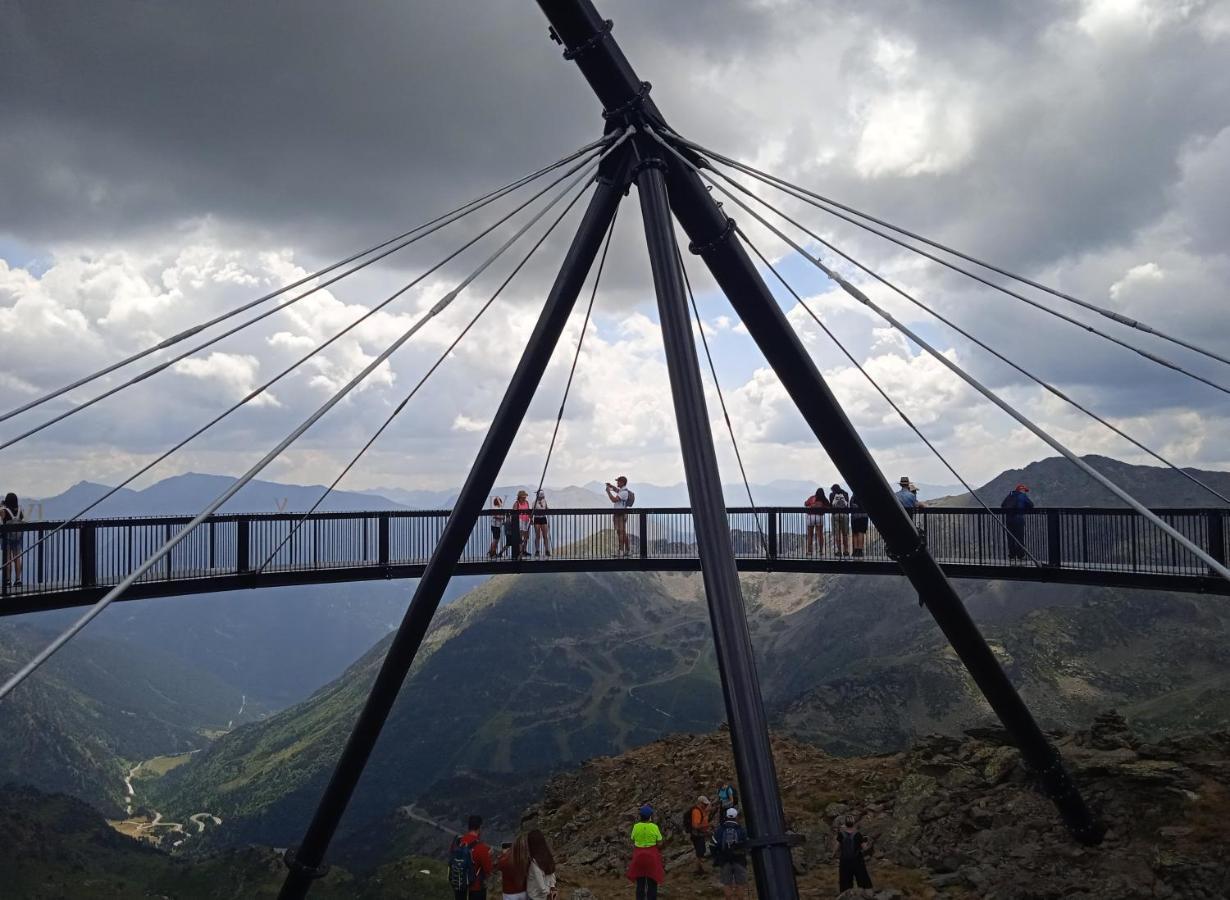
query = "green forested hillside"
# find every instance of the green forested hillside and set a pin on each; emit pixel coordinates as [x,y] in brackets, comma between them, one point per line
[533,672]
[98,705]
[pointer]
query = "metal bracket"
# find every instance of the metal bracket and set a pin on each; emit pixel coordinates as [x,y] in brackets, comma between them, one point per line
[777,840]
[632,105]
[702,249]
[590,42]
[649,162]
[312,872]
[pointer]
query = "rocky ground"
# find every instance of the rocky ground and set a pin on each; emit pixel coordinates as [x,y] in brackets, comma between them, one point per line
[950,818]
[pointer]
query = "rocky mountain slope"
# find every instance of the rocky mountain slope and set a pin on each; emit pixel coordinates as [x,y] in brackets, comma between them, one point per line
[1057,482]
[531,673]
[949,818]
[78,723]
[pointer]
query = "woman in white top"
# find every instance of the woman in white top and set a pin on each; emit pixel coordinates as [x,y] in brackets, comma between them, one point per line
[541,883]
[542,540]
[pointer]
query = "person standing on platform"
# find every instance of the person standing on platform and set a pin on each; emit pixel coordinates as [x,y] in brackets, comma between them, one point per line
[859,522]
[621,498]
[839,500]
[817,505]
[1014,506]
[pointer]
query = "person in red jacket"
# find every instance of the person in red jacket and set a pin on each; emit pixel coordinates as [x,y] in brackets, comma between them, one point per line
[480,864]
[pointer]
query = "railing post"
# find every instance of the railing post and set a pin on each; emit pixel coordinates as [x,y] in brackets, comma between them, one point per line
[1053,544]
[382,540]
[772,537]
[1217,535]
[642,521]
[213,554]
[87,555]
[243,563]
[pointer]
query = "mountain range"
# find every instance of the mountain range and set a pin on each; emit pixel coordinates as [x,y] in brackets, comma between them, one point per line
[526,675]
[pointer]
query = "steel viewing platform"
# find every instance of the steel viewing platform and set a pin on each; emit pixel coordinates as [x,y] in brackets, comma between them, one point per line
[77,564]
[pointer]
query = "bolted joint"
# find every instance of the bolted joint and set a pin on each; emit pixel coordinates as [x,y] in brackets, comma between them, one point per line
[722,236]
[649,162]
[590,42]
[625,110]
[312,872]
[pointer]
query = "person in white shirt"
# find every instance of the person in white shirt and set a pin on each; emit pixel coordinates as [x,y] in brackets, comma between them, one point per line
[618,494]
[541,882]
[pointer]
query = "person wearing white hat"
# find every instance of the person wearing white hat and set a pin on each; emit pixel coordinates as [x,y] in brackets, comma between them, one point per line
[729,846]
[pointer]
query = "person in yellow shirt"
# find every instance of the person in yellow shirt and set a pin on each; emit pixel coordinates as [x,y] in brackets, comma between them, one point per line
[646,870]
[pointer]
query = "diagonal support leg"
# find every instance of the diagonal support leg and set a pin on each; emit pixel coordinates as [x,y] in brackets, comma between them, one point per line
[306,863]
[714,239]
[749,728]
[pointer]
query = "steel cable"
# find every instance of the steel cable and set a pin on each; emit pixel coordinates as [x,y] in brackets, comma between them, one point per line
[423,380]
[818,201]
[460,212]
[160,367]
[1037,430]
[887,399]
[577,355]
[294,435]
[996,353]
[730,428]
[292,367]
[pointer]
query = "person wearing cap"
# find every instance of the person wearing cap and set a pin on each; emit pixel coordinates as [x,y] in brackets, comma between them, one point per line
[907,498]
[729,844]
[700,829]
[620,496]
[1014,507]
[646,870]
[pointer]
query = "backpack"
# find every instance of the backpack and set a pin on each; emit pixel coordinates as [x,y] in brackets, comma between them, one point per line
[840,501]
[850,848]
[461,870]
[631,501]
[687,821]
[727,837]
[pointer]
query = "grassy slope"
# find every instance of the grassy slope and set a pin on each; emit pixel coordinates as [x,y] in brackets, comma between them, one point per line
[96,706]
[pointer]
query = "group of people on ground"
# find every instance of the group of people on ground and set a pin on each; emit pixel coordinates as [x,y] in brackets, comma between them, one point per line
[526,866]
[10,540]
[717,834]
[518,525]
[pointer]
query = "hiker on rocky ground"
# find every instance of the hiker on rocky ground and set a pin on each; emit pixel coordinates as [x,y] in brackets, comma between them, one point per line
[469,862]
[542,536]
[498,517]
[522,506]
[858,526]
[839,500]
[700,830]
[514,866]
[646,870]
[10,539]
[541,882]
[622,498]
[1014,507]
[817,505]
[727,795]
[851,865]
[729,845]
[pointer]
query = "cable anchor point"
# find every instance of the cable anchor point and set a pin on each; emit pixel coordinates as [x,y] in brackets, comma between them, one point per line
[706,248]
[589,43]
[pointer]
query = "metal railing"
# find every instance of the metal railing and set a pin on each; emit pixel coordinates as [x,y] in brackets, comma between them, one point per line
[95,553]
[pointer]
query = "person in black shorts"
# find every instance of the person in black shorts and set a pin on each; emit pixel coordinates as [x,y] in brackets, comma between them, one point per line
[542,536]
[700,829]
[858,526]
[497,527]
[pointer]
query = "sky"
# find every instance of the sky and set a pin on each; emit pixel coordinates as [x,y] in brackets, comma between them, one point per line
[162,163]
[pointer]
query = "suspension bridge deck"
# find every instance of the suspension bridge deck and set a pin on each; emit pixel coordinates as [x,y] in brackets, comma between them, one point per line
[76,564]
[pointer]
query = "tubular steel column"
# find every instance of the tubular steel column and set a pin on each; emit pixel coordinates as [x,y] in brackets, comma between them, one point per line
[306,863]
[749,728]
[589,41]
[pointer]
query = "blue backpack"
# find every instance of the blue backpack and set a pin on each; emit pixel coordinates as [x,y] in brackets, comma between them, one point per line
[461,872]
